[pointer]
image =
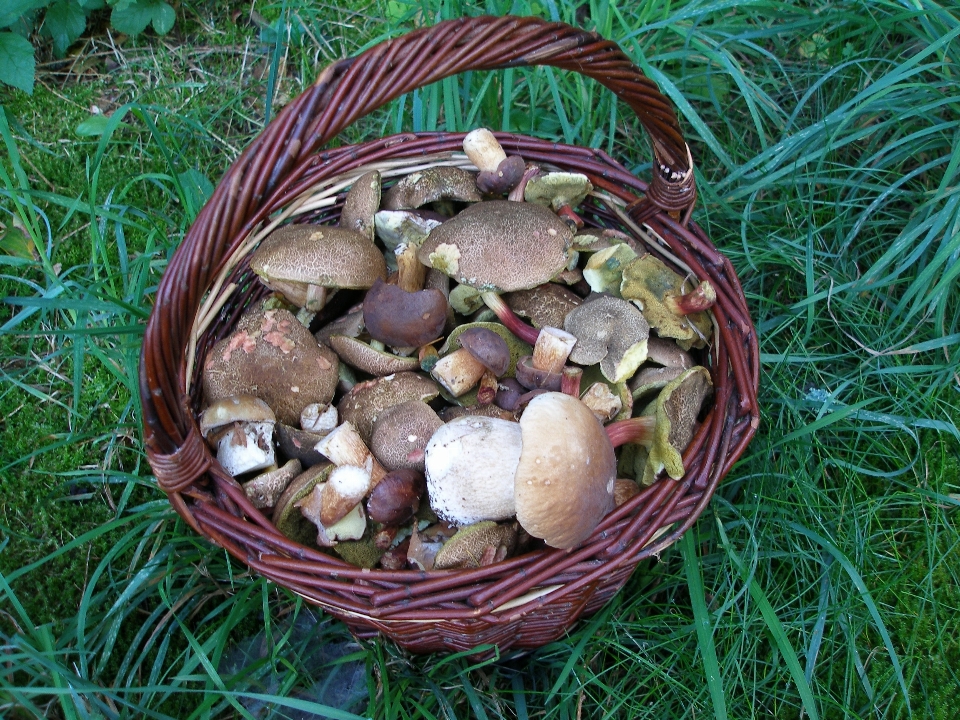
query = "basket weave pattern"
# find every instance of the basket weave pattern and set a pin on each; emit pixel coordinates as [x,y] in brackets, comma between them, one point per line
[524,601]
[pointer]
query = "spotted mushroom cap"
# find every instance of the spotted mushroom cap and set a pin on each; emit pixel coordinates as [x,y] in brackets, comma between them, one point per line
[430,185]
[367,400]
[499,245]
[610,331]
[565,478]
[361,205]
[546,305]
[401,433]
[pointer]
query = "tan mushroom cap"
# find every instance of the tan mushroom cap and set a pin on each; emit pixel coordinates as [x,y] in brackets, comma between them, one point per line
[234,408]
[430,185]
[499,246]
[610,331]
[363,356]
[361,205]
[316,255]
[401,433]
[565,478]
[365,401]
[273,356]
[467,549]
[546,305]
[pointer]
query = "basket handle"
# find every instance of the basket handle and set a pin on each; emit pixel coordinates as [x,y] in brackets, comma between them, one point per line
[344,92]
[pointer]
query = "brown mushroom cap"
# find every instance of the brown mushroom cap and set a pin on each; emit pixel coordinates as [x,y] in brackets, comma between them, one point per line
[363,356]
[565,478]
[404,319]
[271,355]
[499,246]
[487,347]
[361,204]
[401,433]
[295,255]
[610,331]
[430,185]
[468,547]
[546,305]
[365,401]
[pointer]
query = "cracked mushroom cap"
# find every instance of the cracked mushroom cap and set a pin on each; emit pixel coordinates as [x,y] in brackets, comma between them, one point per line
[294,257]
[401,433]
[610,331]
[565,478]
[677,407]
[499,246]
[274,357]
[430,185]
[367,400]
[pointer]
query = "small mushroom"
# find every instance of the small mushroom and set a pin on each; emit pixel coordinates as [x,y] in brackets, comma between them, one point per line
[561,191]
[367,358]
[242,428]
[350,527]
[294,443]
[650,379]
[272,356]
[624,489]
[470,464]
[318,418]
[430,185]
[397,497]
[365,401]
[565,476]
[546,305]
[265,489]
[670,309]
[604,269]
[399,227]
[677,408]
[345,447]
[480,349]
[476,545]
[401,433]
[346,486]
[610,331]
[361,205]
[404,319]
[602,402]
[667,353]
[498,173]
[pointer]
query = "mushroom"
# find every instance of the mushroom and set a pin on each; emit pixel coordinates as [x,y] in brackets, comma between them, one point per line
[601,401]
[562,191]
[477,545]
[546,305]
[397,497]
[365,401]
[346,486]
[272,356]
[361,205]
[350,527]
[319,418]
[242,428]
[480,349]
[650,379]
[345,447]
[305,261]
[287,517]
[565,476]
[430,185]
[624,489]
[499,246]
[604,269]
[498,173]
[667,353]
[402,227]
[470,464]
[404,319]
[367,358]
[350,325]
[294,443]
[265,489]
[669,308]
[610,331]
[401,433]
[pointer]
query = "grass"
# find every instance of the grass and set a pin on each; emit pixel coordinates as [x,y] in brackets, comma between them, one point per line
[822,581]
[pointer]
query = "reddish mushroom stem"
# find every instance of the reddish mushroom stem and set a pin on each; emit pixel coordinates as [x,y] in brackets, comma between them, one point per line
[635,430]
[568,214]
[530,172]
[570,381]
[509,319]
[699,299]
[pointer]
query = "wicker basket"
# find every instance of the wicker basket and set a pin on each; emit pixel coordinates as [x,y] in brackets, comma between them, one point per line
[525,601]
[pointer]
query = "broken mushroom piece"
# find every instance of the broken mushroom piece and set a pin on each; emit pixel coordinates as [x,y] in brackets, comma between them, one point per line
[399,318]
[345,447]
[367,358]
[431,185]
[480,350]
[610,331]
[470,464]
[265,489]
[350,527]
[242,428]
[361,204]
[306,262]
[604,270]
[566,472]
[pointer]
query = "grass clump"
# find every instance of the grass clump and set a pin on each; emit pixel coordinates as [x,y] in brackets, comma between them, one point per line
[821,582]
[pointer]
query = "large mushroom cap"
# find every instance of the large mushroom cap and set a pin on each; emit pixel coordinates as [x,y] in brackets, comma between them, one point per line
[499,245]
[565,477]
[317,255]
[430,185]
[367,400]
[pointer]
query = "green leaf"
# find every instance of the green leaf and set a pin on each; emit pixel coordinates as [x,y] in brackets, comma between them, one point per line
[132,18]
[95,126]
[13,9]
[16,62]
[91,4]
[196,190]
[65,21]
[14,241]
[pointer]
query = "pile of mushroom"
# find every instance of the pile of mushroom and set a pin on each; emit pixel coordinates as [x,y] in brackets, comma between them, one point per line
[391,402]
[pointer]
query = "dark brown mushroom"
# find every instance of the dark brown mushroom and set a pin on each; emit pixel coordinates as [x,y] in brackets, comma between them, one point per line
[404,319]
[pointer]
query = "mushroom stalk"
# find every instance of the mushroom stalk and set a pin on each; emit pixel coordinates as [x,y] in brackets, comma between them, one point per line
[570,381]
[552,349]
[529,173]
[412,273]
[699,299]
[510,320]
[635,430]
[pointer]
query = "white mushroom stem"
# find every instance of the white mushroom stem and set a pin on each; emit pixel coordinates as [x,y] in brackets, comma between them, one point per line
[316,298]
[344,446]
[412,273]
[483,149]
[458,372]
[247,446]
[319,418]
[552,349]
